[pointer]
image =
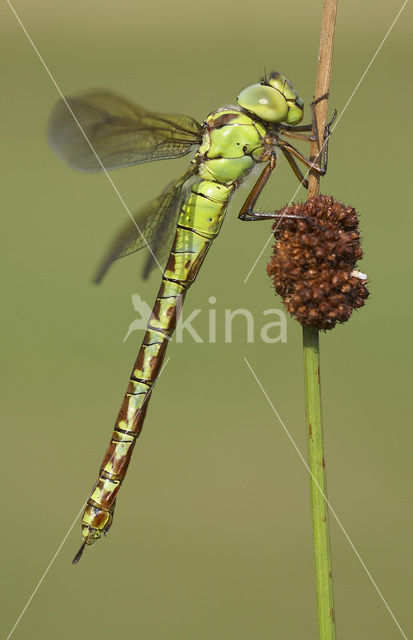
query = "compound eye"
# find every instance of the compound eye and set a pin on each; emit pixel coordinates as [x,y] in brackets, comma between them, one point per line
[266,102]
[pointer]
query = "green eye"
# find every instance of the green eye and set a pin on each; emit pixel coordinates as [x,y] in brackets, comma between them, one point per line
[267,103]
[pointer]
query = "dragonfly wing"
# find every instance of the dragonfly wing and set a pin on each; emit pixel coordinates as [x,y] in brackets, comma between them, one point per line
[119,132]
[161,246]
[151,228]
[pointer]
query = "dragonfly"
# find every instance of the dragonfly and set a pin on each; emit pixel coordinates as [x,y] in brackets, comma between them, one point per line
[100,131]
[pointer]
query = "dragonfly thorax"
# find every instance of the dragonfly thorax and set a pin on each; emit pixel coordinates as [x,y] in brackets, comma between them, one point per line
[233,142]
[273,101]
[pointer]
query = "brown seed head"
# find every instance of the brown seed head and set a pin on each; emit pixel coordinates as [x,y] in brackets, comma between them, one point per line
[314,257]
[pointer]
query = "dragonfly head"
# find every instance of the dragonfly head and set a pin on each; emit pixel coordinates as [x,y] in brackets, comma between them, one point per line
[273,100]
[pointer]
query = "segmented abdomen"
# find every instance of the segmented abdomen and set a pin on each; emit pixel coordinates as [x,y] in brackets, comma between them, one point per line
[199,223]
[232,144]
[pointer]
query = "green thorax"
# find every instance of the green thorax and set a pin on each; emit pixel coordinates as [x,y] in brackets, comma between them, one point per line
[232,143]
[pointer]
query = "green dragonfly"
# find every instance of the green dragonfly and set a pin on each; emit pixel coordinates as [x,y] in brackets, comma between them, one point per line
[102,131]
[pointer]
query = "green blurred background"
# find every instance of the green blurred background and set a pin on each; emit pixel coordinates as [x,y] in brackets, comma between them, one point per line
[212,536]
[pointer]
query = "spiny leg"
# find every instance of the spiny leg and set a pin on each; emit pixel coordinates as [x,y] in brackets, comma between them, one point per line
[290,131]
[247,214]
[327,132]
[294,166]
[312,126]
[326,137]
[257,215]
[321,169]
[295,127]
[313,116]
[297,136]
[289,150]
[306,127]
[286,146]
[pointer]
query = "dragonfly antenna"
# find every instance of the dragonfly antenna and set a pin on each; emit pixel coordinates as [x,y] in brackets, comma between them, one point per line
[264,80]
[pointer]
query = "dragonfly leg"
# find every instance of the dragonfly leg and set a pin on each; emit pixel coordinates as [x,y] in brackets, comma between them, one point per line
[289,151]
[257,215]
[294,166]
[321,169]
[315,166]
[289,129]
[327,130]
[248,215]
[246,212]
[292,131]
[313,116]
[297,136]
[294,127]
[326,137]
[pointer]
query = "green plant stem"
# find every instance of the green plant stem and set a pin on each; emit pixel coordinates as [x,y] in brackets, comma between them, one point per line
[316,460]
[318,485]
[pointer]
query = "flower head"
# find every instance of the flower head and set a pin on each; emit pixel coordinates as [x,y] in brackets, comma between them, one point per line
[314,259]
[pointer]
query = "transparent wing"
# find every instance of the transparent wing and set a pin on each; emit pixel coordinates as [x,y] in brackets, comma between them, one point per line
[120,132]
[151,228]
[161,245]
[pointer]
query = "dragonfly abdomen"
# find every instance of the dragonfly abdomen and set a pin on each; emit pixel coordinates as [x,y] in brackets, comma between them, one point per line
[232,145]
[199,222]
